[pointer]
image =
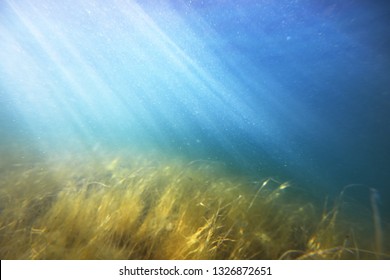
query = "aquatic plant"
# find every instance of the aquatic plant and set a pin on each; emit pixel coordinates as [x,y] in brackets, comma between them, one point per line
[125,207]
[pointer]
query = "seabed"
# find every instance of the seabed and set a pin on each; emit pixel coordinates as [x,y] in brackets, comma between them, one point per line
[117,206]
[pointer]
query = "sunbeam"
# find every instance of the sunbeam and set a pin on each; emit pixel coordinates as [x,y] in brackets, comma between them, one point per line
[227,109]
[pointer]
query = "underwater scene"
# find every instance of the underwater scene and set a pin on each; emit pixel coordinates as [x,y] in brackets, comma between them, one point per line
[213,129]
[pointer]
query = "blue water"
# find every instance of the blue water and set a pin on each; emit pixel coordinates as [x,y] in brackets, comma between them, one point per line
[298,90]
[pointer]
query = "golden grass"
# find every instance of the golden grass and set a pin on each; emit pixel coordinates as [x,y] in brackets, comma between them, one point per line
[114,207]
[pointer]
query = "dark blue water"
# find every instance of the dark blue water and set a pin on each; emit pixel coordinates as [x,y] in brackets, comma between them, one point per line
[298,90]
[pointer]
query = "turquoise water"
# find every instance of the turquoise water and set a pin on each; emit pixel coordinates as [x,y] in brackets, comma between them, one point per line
[296,90]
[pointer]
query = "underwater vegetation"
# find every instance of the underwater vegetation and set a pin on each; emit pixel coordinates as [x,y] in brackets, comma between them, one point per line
[151,207]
